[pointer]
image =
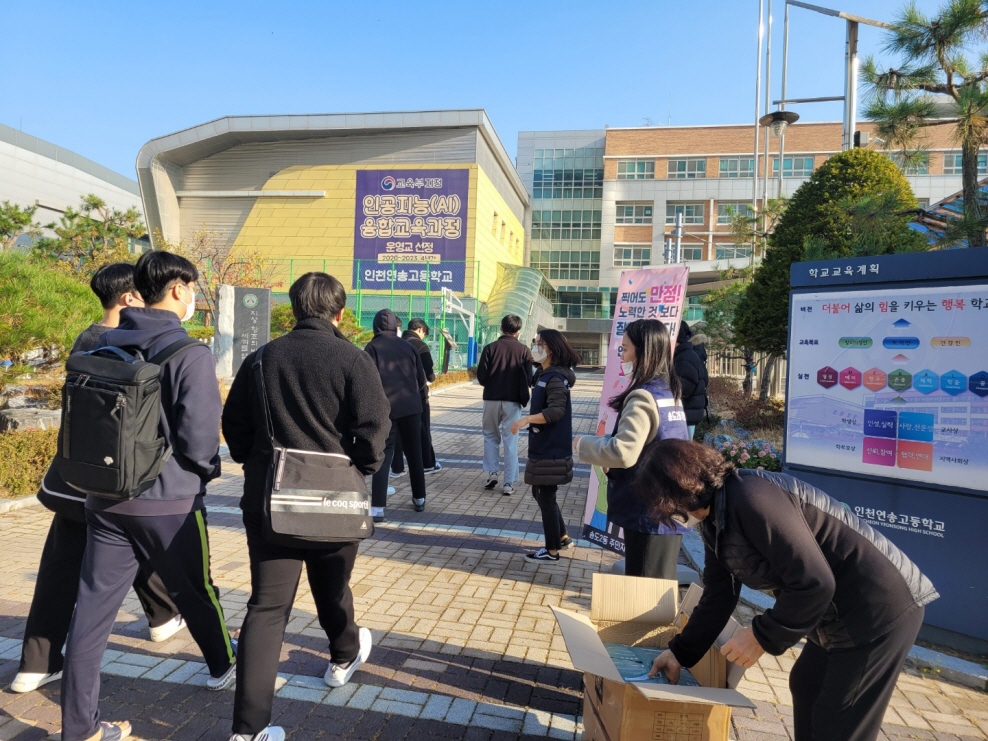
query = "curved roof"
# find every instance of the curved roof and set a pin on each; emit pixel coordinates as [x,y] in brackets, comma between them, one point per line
[196,143]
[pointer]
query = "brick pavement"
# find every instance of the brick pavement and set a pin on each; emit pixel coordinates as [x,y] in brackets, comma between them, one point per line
[465,645]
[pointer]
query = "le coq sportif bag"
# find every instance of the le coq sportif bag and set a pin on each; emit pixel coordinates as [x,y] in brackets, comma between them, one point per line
[312,499]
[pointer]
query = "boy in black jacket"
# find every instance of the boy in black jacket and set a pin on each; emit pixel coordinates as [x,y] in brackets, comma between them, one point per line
[61,560]
[416,333]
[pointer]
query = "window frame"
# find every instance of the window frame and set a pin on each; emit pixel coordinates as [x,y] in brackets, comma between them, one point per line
[687,221]
[699,173]
[744,205]
[632,261]
[646,174]
[739,173]
[646,219]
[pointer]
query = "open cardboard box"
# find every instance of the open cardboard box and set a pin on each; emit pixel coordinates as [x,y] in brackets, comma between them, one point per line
[643,612]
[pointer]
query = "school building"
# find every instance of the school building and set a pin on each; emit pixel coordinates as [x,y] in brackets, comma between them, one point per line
[398,206]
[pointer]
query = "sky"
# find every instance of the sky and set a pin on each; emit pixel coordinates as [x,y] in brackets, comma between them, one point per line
[102,78]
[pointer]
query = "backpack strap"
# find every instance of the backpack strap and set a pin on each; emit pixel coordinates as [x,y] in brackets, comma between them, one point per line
[262,397]
[172,350]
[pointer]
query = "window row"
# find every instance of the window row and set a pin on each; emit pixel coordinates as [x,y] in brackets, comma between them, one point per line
[558,191]
[691,168]
[584,177]
[693,213]
[640,255]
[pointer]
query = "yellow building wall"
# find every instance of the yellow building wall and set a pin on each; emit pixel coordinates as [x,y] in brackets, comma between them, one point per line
[297,235]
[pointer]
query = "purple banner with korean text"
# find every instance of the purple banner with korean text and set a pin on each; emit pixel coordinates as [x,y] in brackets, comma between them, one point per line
[410,229]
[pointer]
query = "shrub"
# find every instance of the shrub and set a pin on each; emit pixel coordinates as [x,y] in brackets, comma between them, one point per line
[200,333]
[451,378]
[24,459]
[755,454]
[41,307]
[754,414]
[282,320]
[724,393]
[709,422]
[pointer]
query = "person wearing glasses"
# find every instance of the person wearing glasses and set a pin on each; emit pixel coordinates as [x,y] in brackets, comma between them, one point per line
[550,431]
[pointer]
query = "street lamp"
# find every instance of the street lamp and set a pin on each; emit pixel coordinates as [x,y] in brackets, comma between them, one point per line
[777,122]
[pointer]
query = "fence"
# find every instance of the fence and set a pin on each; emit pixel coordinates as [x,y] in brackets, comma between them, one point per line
[731,364]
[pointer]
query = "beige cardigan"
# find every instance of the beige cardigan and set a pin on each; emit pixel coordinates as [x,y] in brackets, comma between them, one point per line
[638,426]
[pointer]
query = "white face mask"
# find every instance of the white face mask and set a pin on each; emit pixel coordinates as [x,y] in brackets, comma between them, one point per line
[190,309]
[627,367]
[538,353]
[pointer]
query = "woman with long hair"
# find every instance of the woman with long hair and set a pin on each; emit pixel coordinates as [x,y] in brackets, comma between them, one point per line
[856,598]
[649,408]
[550,430]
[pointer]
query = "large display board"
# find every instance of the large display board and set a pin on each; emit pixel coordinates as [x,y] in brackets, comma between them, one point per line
[410,229]
[891,383]
[650,293]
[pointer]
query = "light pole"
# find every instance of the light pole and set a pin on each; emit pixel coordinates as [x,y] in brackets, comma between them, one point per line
[776,122]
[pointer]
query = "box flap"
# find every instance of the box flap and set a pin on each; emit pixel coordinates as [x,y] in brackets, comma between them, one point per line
[734,671]
[585,648]
[633,599]
[701,695]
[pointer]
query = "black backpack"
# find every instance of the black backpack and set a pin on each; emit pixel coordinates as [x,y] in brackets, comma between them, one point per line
[110,443]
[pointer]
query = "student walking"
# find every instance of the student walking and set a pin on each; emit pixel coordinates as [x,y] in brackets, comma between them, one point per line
[692,372]
[856,598]
[648,409]
[505,372]
[61,560]
[416,333]
[403,377]
[550,434]
[164,525]
[324,395]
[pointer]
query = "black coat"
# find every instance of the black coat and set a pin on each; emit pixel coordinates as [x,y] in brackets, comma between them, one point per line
[692,374]
[550,462]
[425,355]
[324,394]
[837,581]
[505,371]
[399,365]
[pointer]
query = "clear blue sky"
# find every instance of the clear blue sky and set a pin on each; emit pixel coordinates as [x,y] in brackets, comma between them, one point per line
[102,78]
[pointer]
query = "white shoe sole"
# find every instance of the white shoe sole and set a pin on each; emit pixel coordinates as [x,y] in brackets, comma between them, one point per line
[366,643]
[221,683]
[29,682]
[163,632]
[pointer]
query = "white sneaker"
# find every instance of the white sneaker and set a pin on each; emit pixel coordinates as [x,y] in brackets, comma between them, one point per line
[394,475]
[166,631]
[271,733]
[30,681]
[215,684]
[491,480]
[391,490]
[508,490]
[336,675]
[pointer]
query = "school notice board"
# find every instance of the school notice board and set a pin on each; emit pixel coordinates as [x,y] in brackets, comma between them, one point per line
[891,383]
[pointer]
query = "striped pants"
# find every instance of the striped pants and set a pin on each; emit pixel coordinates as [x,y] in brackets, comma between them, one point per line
[177,548]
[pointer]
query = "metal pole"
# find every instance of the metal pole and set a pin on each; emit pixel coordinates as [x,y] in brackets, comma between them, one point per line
[851,86]
[678,233]
[758,96]
[768,98]
[782,105]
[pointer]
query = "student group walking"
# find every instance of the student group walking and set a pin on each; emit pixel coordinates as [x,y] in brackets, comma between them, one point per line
[310,415]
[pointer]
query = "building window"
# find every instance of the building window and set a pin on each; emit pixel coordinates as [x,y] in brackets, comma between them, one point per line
[731,252]
[632,256]
[953,164]
[923,203]
[692,212]
[693,309]
[636,170]
[568,173]
[582,224]
[503,227]
[793,167]
[737,167]
[687,169]
[728,210]
[633,213]
[494,225]
[691,254]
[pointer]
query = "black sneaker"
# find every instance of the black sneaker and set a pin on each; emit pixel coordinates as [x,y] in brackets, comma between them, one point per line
[379,518]
[419,505]
[566,542]
[491,481]
[541,555]
[435,469]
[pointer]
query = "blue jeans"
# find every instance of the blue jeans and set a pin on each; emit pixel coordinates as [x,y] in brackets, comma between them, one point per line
[692,429]
[498,418]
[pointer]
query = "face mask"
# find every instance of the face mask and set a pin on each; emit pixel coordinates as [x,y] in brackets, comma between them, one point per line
[627,367]
[190,309]
[538,353]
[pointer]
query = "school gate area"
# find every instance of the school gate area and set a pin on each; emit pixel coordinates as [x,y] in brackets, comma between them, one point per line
[465,644]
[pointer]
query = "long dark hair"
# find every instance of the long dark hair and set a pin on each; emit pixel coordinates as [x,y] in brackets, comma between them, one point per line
[653,359]
[676,477]
[560,351]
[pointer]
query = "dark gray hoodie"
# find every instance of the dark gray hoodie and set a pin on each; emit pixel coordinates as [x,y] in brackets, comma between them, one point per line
[190,419]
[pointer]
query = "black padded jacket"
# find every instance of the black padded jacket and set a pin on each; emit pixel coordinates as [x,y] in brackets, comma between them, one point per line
[837,582]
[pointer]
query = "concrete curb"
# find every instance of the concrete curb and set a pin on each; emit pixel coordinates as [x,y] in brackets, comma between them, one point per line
[942,666]
[10,505]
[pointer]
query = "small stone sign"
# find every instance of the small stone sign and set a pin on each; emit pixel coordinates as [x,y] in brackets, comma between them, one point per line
[243,324]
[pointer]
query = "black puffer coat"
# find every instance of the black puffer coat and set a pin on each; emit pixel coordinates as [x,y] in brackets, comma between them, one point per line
[550,459]
[692,372]
[837,582]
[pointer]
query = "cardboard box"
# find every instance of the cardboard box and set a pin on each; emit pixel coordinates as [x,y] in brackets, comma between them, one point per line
[643,612]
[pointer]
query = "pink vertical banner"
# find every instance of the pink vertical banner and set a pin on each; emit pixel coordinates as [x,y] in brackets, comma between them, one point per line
[650,293]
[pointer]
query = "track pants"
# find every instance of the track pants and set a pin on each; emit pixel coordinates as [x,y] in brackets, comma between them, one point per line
[55,591]
[409,430]
[653,556]
[177,547]
[842,695]
[275,571]
[428,451]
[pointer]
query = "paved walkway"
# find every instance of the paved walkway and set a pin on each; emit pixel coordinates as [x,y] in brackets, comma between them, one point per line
[465,645]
